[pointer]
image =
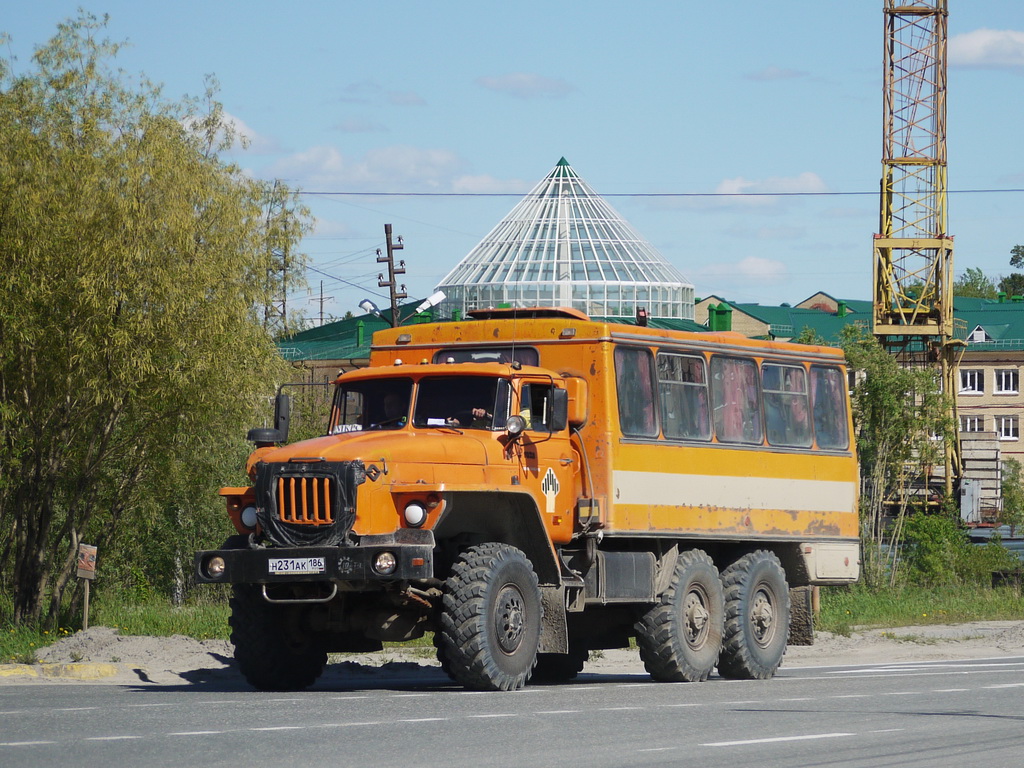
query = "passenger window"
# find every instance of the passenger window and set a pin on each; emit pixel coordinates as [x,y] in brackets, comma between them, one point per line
[829,401]
[736,400]
[634,379]
[469,402]
[683,395]
[786,410]
[535,407]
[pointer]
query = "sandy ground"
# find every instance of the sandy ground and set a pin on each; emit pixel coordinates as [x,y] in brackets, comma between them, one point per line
[102,655]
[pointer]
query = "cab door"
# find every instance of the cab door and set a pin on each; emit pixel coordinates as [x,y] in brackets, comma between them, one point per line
[547,465]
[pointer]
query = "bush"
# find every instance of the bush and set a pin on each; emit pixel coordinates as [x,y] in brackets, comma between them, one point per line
[938,552]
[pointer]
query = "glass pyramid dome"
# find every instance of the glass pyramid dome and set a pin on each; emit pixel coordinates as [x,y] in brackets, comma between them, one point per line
[562,245]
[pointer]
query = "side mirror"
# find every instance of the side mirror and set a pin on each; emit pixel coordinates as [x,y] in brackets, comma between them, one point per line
[282,417]
[559,410]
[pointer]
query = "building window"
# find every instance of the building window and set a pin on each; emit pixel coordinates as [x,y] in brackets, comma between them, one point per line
[972,423]
[1007,427]
[972,381]
[1007,382]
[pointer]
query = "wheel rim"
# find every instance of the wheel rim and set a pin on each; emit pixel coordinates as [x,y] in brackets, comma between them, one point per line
[509,618]
[762,616]
[695,617]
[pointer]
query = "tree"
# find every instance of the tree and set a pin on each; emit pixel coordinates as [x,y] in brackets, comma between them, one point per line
[1012,488]
[132,350]
[1012,284]
[1017,256]
[897,413]
[973,283]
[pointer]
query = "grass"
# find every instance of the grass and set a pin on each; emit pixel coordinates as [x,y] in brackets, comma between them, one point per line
[842,610]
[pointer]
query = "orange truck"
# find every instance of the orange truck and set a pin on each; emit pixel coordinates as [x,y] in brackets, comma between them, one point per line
[530,485]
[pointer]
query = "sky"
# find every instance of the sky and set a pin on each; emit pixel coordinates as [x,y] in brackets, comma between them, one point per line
[483,99]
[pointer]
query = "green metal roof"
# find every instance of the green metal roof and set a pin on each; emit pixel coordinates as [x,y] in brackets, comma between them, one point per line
[1003,323]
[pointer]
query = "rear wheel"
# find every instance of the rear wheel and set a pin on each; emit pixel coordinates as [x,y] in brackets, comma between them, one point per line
[756,617]
[490,619]
[270,650]
[680,637]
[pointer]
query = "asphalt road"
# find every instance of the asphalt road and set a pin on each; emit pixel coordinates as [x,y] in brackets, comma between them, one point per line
[957,713]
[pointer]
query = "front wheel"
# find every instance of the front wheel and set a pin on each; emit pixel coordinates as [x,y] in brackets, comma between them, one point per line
[680,637]
[756,617]
[490,619]
[271,651]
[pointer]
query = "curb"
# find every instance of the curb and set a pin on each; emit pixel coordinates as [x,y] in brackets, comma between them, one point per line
[90,671]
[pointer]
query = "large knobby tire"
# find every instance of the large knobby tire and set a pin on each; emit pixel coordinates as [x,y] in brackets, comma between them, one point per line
[490,619]
[269,656]
[756,617]
[680,637]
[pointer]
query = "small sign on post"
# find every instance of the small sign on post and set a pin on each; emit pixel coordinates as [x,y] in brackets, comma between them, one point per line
[87,571]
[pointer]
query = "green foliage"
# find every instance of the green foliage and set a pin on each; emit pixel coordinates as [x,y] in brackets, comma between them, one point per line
[897,413]
[202,619]
[1012,284]
[134,343]
[973,283]
[1012,513]
[1017,256]
[858,605]
[809,335]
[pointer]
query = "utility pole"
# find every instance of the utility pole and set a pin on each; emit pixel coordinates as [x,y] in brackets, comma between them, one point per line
[321,299]
[390,284]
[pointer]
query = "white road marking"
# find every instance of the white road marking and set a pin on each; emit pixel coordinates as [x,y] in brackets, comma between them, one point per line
[25,743]
[776,739]
[111,738]
[195,733]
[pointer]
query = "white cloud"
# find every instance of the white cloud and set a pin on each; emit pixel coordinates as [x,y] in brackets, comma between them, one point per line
[371,92]
[988,48]
[387,169]
[769,194]
[526,85]
[359,125]
[254,142]
[776,73]
[484,184]
[730,277]
[405,99]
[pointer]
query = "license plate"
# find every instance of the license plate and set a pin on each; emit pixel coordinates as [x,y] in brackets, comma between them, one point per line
[296,565]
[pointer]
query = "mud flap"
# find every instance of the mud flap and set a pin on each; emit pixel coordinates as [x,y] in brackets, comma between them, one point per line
[554,636]
[801,621]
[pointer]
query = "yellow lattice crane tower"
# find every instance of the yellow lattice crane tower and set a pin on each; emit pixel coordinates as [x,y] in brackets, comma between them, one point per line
[913,261]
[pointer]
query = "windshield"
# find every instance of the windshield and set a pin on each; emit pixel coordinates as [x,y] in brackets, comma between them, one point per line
[372,404]
[464,402]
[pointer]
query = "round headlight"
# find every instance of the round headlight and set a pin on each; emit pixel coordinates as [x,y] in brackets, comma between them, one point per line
[415,514]
[215,567]
[248,517]
[515,425]
[385,563]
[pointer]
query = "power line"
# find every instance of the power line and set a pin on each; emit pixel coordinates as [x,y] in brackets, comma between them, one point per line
[641,194]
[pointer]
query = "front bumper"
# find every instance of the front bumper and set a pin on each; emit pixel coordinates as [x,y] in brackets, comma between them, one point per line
[413,552]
